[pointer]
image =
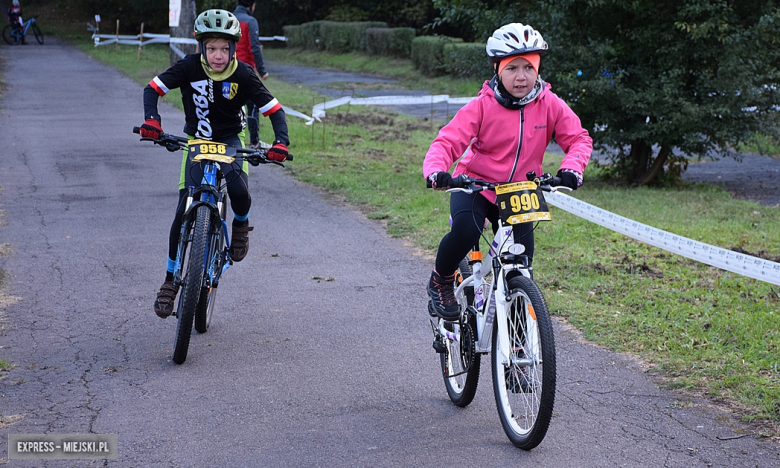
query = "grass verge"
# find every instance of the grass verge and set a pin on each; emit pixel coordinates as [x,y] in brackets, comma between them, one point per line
[699,328]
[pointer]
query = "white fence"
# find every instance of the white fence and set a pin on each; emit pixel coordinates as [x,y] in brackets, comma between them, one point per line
[144,39]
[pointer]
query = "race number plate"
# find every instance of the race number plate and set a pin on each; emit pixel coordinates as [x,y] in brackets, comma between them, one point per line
[212,150]
[521,202]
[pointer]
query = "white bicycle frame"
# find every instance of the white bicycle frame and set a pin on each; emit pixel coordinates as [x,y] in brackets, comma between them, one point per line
[489,310]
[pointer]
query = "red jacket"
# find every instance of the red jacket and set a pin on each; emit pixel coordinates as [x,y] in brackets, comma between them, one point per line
[244,48]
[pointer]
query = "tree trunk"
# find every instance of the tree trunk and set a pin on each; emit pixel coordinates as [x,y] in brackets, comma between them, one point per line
[184,30]
[657,167]
[638,158]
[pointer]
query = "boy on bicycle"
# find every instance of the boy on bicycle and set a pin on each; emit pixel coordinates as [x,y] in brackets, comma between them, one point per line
[15,15]
[214,87]
[502,135]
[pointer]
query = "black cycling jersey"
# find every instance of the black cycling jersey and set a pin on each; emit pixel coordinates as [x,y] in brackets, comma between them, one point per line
[213,109]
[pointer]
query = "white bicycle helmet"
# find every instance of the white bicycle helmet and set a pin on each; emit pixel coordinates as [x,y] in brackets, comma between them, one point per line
[514,39]
[16,2]
[217,23]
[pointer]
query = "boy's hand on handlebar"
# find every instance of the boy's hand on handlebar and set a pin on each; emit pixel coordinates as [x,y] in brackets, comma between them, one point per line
[151,129]
[278,152]
[443,180]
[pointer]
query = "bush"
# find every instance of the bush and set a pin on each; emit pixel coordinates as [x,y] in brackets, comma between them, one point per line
[333,36]
[294,35]
[308,35]
[428,54]
[467,60]
[390,41]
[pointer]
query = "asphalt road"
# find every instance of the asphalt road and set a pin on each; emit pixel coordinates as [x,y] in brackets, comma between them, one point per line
[296,371]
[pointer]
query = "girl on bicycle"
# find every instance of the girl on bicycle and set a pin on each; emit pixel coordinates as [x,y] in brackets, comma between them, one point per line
[501,135]
[214,88]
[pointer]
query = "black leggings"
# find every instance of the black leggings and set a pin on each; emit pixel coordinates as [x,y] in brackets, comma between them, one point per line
[237,187]
[469,212]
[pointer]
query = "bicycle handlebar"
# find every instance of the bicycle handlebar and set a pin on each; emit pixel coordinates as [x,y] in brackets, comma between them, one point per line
[546,182]
[173,142]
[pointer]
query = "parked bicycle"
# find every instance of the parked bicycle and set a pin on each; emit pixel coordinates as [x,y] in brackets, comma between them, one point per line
[501,291]
[203,253]
[13,34]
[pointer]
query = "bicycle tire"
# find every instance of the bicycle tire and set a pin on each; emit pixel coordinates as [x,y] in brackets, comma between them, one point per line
[525,394]
[38,33]
[193,281]
[8,36]
[208,295]
[459,355]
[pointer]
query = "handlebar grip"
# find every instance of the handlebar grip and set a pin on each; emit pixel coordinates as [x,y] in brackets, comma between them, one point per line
[289,157]
[137,130]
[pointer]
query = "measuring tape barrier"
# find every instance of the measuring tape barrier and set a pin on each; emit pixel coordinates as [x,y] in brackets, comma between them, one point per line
[729,260]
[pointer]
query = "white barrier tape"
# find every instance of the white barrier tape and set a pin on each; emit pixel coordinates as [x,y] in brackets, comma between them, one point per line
[273,38]
[729,260]
[318,111]
[178,51]
[295,113]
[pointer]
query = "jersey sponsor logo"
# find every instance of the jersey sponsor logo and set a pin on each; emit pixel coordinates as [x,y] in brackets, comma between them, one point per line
[229,90]
[203,95]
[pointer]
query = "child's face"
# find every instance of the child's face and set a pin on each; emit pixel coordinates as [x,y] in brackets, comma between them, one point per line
[519,77]
[217,53]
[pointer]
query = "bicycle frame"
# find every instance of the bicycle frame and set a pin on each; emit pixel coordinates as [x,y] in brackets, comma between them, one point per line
[488,310]
[211,197]
[25,27]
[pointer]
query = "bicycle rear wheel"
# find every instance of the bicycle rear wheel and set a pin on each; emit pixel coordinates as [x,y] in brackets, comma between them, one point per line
[208,295]
[8,35]
[460,363]
[38,33]
[525,386]
[193,281]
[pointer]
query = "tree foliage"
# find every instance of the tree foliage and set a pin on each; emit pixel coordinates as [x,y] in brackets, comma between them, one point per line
[654,81]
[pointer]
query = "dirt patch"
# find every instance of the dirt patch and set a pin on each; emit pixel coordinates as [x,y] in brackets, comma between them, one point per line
[772,257]
[361,118]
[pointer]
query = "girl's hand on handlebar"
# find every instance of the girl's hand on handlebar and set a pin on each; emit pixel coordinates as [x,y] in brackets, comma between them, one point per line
[568,179]
[443,180]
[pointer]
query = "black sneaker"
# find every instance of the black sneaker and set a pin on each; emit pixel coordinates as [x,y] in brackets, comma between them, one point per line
[240,242]
[441,289]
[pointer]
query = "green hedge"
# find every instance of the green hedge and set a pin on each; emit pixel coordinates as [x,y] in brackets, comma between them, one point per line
[333,36]
[390,41]
[428,54]
[340,37]
[294,35]
[305,35]
[467,60]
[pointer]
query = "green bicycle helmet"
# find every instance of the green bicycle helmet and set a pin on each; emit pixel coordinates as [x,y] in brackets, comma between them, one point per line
[217,23]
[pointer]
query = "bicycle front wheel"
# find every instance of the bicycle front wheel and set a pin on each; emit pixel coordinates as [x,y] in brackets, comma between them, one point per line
[524,381]
[208,295]
[8,35]
[38,33]
[193,281]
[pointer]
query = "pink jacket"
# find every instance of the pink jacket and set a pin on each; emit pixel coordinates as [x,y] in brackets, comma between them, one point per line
[494,131]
